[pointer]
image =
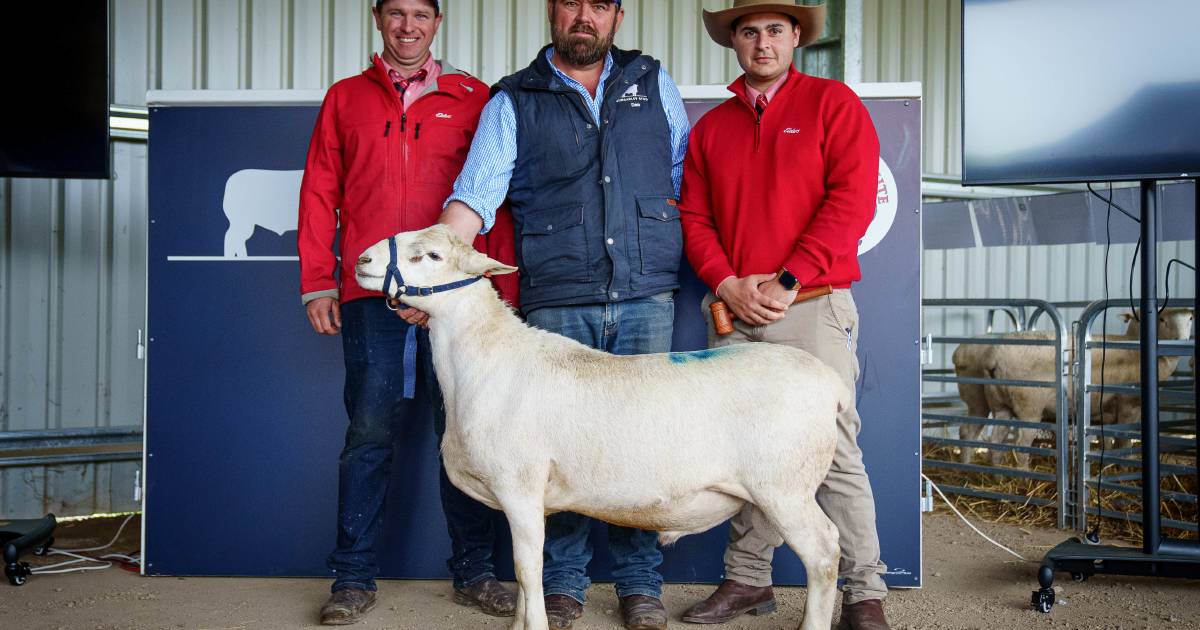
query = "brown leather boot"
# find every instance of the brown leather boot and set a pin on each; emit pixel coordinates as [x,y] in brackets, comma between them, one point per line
[641,612]
[347,606]
[732,599]
[562,611]
[865,615]
[490,596]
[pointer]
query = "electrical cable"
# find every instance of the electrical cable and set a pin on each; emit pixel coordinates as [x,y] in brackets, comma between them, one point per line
[1167,292]
[104,562]
[964,519]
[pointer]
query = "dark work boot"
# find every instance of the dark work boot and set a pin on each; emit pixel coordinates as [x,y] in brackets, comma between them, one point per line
[562,611]
[347,606]
[490,596]
[730,600]
[865,615]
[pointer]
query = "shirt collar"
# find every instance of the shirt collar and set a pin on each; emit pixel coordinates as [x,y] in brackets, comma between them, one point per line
[608,64]
[752,94]
[430,66]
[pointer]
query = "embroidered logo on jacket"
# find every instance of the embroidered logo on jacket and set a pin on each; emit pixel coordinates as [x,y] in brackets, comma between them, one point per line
[632,97]
[791,130]
[441,115]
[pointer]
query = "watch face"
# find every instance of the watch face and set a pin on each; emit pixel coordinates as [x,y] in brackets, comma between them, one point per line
[787,280]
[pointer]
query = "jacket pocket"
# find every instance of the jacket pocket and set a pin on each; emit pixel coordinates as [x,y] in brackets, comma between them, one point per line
[660,238]
[554,246]
[439,148]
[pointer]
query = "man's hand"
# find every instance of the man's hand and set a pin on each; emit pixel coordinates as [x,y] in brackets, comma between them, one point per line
[414,316]
[463,220]
[748,302]
[775,291]
[325,315]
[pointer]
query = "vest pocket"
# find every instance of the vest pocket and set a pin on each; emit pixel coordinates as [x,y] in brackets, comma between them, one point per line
[660,238]
[554,246]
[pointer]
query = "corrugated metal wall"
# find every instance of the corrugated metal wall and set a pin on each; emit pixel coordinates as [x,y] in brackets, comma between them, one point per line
[72,298]
[919,40]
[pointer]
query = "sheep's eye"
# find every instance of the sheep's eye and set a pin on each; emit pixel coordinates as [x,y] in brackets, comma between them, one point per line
[434,256]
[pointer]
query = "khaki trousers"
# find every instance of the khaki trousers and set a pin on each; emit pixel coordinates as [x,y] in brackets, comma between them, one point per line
[826,327]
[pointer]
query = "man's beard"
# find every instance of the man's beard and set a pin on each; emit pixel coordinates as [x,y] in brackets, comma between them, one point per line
[579,52]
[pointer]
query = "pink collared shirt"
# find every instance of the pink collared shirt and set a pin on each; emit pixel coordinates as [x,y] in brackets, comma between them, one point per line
[752,93]
[416,88]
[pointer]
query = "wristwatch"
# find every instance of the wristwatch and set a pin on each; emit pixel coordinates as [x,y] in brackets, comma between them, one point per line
[788,281]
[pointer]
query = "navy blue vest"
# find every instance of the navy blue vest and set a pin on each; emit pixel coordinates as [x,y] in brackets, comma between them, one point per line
[594,208]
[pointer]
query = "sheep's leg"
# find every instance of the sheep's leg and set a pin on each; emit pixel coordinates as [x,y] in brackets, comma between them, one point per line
[1000,435]
[814,538]
[526,519]
[1025,437]
[236,237]
[973,396]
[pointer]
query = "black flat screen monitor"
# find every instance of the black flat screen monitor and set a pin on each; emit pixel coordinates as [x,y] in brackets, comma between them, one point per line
[54,112]
[1080,90]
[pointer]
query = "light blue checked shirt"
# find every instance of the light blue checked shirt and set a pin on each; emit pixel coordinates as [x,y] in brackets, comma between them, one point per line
[483,182]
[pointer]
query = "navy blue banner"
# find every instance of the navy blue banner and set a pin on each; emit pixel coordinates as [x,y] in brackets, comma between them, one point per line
[244,413]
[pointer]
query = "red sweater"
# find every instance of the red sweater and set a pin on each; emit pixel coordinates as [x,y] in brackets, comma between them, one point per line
[795,190]
[374,170]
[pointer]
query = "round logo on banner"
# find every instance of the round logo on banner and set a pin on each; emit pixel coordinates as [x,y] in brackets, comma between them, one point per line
[885,210]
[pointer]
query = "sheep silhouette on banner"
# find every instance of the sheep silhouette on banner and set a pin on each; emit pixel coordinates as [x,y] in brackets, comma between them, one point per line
[259,198]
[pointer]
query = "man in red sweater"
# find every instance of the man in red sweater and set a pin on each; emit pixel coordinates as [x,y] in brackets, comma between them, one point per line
[386,148]
[779,186]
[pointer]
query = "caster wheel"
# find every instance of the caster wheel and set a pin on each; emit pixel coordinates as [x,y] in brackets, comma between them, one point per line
[1043,600]
[44,548]
[17,573]
[1079,577]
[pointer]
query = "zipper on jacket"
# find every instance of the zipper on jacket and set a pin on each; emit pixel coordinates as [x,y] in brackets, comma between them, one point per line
[403,122]
[417,134]
[387,128]
[757,131]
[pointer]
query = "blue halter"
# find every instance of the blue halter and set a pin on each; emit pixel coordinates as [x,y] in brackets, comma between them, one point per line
[410,341]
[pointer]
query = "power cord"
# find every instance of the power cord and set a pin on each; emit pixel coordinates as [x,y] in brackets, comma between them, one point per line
[1167,292]
[964,519]
[103,562]
[1093,534]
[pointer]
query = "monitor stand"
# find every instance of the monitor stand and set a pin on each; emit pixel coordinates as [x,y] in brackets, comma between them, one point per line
[1162,557]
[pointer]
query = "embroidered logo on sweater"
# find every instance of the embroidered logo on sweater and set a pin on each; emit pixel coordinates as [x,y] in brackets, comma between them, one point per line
[632,97]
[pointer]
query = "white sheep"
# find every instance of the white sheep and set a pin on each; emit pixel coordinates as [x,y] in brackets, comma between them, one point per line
[968,359]
[676,443]
[1037,363]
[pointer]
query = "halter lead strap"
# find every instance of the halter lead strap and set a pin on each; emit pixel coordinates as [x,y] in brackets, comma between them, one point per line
[410,339]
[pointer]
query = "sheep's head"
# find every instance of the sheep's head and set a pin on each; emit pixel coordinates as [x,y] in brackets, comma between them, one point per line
[426,258]
[1173,323]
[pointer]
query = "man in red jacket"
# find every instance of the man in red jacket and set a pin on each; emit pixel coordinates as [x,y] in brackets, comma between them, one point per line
[384,154]
[779,186]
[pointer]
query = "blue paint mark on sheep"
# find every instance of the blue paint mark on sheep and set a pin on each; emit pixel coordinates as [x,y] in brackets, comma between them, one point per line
[680,358]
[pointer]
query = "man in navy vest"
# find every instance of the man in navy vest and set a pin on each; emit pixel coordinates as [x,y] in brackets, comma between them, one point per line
[588,144]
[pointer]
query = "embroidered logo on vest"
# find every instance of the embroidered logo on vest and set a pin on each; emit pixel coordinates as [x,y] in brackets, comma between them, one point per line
[632,97]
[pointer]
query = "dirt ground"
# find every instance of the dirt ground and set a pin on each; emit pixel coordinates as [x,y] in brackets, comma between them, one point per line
[968,584]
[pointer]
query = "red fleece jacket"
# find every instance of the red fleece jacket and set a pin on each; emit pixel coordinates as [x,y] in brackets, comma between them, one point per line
[794,190]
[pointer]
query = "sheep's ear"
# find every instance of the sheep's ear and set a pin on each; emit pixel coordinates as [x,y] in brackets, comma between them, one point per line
[477,264]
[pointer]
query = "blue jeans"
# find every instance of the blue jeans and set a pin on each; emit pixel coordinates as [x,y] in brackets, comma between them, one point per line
[373,346]
[634,327]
